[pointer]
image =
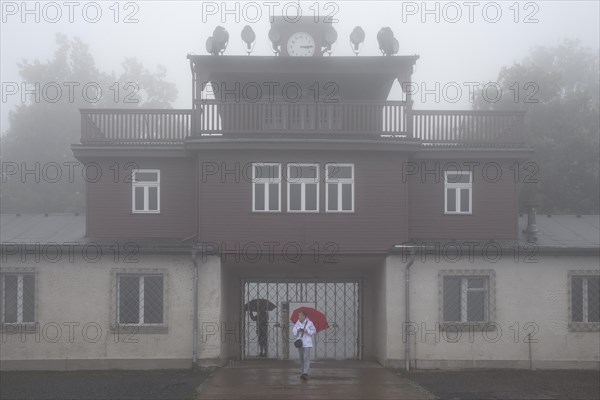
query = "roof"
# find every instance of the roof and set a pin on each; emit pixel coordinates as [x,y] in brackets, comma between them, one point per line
[564,231]
[258,73]
[42,228]
[69,230]
[558,232]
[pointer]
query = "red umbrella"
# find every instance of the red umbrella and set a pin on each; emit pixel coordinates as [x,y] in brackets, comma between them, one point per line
[317,317]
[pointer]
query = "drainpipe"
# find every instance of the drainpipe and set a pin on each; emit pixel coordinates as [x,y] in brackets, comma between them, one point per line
[411,251]
[195,307]
[407,308]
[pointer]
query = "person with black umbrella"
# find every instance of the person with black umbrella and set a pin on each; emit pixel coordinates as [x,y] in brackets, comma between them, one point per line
[261,317]
[259,312]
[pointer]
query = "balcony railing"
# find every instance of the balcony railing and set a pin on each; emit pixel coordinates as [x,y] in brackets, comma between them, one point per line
[379,118]
[365,117]
[468,126]
[132,125]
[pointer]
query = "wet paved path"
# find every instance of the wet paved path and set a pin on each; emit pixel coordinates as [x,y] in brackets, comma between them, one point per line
[348,380]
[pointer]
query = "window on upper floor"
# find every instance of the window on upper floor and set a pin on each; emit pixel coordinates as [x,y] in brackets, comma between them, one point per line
[146,191]
[584,300]
[339,184]
[458,187]
[266,187]
[17,297]
[303,187]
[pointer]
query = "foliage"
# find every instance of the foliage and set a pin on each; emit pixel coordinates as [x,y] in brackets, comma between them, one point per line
[559,89]
[43,129]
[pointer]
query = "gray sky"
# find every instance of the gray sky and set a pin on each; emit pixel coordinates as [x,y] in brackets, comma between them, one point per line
[469,47]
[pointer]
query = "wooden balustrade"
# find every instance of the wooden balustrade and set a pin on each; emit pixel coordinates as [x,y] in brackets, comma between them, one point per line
[385,118]
[366,117]
[468,126]
[133,125]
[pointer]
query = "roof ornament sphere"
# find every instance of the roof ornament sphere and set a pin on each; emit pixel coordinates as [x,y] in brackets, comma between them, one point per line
[275,38]
[330,38]
[248,36]
[388,44]
[217,43]
[357,37]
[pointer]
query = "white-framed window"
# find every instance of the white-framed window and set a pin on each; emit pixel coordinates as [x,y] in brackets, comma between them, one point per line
[458,188]
[339,187]
[140,299]
[303,187]
[466,298]
[17,298]
[266,187]
[145,193]
[585,298]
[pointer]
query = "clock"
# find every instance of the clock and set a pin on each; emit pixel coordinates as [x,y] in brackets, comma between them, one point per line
[301,44]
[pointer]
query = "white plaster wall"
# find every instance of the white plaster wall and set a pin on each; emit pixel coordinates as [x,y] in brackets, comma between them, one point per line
[394,293]
[209,311]
[78,293]
[530,297]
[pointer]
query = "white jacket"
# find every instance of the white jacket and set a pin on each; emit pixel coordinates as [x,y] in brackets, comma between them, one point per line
[309,332]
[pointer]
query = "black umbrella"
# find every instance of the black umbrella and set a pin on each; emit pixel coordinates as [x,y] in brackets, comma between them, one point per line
[259,305]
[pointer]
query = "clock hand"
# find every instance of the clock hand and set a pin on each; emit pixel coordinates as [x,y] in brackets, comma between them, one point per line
[306,47]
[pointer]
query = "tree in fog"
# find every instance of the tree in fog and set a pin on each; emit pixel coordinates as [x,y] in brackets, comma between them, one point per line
[42,130]
[558,87]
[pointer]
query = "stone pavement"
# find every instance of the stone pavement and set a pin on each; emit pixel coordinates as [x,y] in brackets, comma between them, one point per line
[331,380]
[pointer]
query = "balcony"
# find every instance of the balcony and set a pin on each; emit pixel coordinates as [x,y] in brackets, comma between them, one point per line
[134,126]
[470,128]
[391,119]
[214,117]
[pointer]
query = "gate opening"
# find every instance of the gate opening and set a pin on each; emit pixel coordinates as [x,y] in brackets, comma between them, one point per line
[267,305]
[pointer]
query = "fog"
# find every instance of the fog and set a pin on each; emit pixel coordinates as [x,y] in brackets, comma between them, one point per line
[209,228]
[457,41]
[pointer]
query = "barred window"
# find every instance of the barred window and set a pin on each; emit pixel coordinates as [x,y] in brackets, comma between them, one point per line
[266,187]
[465,299]
[140,299]
[339,183]
[146,191]
[458,187]
[585,299]
[18,297]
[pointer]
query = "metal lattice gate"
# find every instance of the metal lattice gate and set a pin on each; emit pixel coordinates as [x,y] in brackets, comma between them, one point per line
[266,334]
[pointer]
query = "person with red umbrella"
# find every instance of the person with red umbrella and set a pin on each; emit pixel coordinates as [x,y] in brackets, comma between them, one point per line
[304,330]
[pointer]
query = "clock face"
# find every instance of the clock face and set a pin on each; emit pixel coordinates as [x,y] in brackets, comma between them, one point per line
[301,44]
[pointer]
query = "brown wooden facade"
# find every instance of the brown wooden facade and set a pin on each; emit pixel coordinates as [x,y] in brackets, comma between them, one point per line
[205,155]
